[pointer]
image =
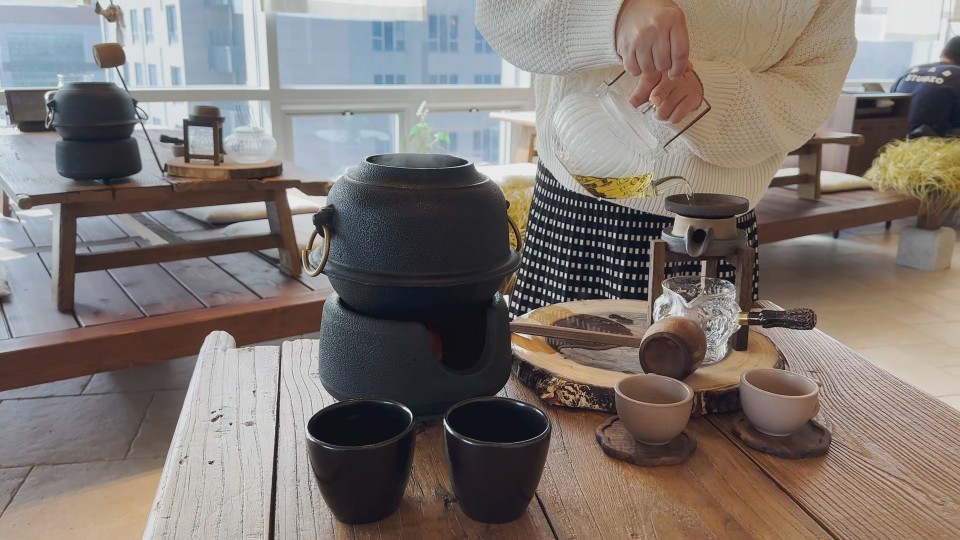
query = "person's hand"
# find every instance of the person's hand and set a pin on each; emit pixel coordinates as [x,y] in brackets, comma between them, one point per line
[651,35]
[673,98]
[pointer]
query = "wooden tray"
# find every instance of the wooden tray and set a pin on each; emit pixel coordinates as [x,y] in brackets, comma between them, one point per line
[225,171]
[581,375]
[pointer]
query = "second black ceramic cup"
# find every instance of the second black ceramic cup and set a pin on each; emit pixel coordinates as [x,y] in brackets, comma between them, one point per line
[361,452]
[496,449]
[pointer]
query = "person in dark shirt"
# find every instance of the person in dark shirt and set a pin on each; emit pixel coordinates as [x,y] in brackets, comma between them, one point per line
[935,105]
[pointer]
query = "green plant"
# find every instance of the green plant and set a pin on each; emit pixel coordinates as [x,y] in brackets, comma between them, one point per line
[423,139]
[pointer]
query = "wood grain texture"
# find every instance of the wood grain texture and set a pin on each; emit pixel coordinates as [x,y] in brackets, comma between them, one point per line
[225,171]
[281,224]
[890,471]
[617,443]
[121,258]
[64,249]
[217,481]
[429,508]
[98,298]
[260,276]
[717,493]
[584,377]
[31,309]
[208,282]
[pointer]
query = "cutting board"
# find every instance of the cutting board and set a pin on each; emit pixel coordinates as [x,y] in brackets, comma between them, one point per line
[225,171]
[582,375]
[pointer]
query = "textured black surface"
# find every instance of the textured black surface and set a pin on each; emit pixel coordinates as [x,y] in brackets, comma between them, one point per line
[706,205]
[98,160]
[361,453]
[496,449]
[417,227]
[365,357]
[93,111]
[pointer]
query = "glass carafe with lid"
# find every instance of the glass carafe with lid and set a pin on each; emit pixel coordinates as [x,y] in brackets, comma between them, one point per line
[604,143]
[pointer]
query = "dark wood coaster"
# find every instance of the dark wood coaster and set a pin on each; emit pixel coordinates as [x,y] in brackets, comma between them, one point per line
[617,443]
[811,440]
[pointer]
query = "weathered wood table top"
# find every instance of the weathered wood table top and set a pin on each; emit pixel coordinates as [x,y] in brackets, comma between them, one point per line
[238,466]
[28,175]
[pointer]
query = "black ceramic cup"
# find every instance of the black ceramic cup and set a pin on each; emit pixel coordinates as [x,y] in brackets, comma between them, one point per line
[361,452]
[496,449]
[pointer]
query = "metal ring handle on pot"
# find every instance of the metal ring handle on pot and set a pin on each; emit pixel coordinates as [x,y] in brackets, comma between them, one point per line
[305,254]
[51,112]
[516,233]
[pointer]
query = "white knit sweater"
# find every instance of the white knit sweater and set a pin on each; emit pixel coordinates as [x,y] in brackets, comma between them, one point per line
[771,69]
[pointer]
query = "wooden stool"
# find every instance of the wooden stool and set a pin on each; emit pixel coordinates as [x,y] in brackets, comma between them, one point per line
[744,259]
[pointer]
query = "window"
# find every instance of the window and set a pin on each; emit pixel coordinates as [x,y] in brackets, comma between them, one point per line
[138,73]
[148,25]
[444,79]
[443,33]
[173,25]
[152,75]
[486,79]
[176,76]
[332,143]
[388,36]
[389,79]
[480,45]
[134,26]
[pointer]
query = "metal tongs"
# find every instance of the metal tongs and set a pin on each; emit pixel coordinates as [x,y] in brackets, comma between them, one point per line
[649,106]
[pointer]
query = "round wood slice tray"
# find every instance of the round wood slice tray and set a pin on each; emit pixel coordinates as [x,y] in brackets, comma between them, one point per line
[582,375]
[229,170]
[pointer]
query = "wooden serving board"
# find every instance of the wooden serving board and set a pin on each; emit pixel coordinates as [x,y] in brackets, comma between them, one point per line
[225,171]
[582,375]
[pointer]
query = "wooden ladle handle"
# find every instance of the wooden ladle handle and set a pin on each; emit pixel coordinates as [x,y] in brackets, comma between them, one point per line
[574,334]
[795,319]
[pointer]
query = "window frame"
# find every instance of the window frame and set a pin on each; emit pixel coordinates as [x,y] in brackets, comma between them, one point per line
[173,24]
[147,25]
[281,104]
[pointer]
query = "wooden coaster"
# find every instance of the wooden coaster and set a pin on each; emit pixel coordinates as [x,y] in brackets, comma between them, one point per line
[617,443]
[811,440]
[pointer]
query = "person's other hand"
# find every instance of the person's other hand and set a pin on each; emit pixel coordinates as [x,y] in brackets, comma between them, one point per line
[651,35]
[674,98]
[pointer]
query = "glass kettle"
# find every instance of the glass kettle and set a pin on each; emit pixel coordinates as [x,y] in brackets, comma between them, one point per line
[603,142]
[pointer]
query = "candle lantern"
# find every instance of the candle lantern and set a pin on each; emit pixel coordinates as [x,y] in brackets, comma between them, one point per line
[207,143]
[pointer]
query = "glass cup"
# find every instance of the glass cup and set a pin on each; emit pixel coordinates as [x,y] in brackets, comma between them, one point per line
[710,301]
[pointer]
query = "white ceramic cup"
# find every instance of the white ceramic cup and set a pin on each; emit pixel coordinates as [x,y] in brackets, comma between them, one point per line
[778,402]
[653,408]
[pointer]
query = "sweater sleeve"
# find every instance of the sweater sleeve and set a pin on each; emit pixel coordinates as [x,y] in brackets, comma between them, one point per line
[555,37]
[756,115]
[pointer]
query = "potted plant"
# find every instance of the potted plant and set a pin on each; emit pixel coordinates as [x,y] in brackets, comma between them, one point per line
[423,139]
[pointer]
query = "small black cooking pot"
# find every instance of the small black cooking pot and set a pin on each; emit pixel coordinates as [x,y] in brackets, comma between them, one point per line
[92,111]
[409,233]
[98,160]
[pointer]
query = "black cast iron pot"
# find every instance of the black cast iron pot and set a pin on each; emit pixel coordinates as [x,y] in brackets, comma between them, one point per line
[92,111]
[409,233]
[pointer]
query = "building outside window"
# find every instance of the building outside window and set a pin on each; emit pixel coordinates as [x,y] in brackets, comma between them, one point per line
[443,33]
[176,76]
[486,79]
[148,25]
[134,25]
[444,78]
[152,75]
[138,74]
[389,79]
[173,25]
[388,36]
[480,45]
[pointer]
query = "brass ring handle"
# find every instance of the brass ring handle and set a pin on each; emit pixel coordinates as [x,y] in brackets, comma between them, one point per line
[516,233]
[305,254]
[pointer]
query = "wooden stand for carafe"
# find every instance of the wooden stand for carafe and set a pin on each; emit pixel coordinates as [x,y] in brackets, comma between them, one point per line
[744,259]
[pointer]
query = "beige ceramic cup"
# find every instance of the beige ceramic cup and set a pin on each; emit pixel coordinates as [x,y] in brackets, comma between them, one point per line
[653,408]
[778,402]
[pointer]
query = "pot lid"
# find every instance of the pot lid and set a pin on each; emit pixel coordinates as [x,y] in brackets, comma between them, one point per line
[416,171]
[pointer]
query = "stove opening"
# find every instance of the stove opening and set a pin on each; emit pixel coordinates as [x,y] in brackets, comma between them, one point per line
[458,335]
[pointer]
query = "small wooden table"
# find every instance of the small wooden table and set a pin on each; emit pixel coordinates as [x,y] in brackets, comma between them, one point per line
[238,468]
[28,175]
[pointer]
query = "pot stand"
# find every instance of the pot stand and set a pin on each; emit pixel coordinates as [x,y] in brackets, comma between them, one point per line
[617,443]
[744,258]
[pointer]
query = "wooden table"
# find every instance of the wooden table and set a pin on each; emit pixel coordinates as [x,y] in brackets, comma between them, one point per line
[238,468]
[28,175]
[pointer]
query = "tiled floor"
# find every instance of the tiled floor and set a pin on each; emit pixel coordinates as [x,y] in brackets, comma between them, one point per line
[81,458]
